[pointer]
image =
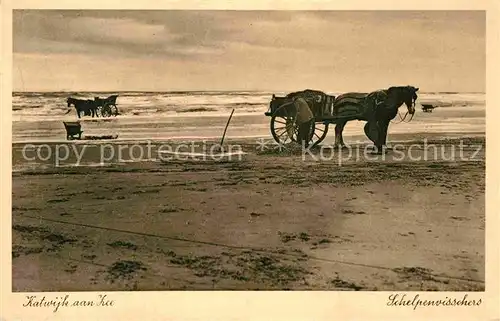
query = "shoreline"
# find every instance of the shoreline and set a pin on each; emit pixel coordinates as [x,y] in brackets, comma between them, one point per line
[394,137]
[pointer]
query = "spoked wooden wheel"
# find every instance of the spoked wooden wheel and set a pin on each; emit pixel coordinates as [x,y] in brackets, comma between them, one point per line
[319,133]
[114,110]
[106,111]
[283,126]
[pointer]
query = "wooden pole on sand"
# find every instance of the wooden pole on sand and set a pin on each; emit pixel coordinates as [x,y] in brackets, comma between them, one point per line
[225,129]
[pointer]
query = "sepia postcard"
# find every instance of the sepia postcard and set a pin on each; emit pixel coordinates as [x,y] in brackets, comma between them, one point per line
[250,160]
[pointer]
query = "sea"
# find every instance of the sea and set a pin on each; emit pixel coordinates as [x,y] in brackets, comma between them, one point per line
[38,116]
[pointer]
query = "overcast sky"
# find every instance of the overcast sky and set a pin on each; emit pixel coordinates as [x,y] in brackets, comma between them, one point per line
[248,50]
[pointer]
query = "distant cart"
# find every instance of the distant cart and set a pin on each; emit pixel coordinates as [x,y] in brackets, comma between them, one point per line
[73,129]
[427,108]
[107,106]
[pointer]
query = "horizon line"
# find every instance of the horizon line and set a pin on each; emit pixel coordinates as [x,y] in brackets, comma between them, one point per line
[206,90]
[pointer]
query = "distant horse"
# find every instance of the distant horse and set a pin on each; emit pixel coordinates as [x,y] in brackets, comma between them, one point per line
[377,108]
[87,106]
[107,105]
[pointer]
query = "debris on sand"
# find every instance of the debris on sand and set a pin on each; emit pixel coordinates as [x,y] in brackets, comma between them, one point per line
[286,237]
[246,266]
[169,209]
[122,244]
[58,200]
[124,270]
[196,110]
[94,137]
[270,269]
[304,237]
[414,273]
[344,285]
[417,274]
[55,240]
[17,250]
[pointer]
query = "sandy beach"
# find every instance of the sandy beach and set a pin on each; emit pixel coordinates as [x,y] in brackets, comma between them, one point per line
[270,220]
[121,214]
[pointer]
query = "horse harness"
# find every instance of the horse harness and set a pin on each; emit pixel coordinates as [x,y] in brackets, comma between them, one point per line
[379,99]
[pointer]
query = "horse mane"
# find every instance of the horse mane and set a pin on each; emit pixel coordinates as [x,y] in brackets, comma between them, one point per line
[395,91]
[392,89]
[399,88]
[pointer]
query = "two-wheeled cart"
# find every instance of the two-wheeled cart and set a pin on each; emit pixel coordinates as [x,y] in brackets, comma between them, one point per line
[283,112]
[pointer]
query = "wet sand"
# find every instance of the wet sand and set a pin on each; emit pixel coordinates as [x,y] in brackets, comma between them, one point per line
[270,221]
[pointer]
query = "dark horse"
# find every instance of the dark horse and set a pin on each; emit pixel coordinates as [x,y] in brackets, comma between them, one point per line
[377,108]
[87,106]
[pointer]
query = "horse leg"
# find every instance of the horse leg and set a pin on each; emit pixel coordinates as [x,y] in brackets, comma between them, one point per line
[339,140]
[372,131]
[384,126]
[382,136]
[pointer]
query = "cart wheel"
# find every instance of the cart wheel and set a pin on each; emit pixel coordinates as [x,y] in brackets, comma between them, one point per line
[106,111]
[114,110]
[319,133]
[283,126]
